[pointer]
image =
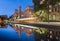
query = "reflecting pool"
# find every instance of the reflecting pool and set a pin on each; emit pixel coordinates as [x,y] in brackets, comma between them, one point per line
[9,34]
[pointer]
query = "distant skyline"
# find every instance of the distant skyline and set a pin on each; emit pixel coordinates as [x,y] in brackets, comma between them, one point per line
[7,7]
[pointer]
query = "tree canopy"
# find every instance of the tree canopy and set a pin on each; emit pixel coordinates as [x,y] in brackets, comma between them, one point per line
[38,6]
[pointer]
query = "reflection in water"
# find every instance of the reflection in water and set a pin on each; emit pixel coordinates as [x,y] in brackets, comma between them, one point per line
[26,34]
[9,34]
[39,34]
[19,29]
[28,31]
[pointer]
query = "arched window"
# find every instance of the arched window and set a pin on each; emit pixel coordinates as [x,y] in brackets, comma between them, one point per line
[54,17]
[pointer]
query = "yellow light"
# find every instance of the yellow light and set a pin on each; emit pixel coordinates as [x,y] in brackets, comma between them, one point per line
[42,11]
[50,36]
[50,10]
[50,32]
[50,6]
[59,3]
[41,2]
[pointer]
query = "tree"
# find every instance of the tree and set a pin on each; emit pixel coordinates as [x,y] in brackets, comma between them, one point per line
[41,33]
[44,6]
[38,6]
[41,15]
[41,30]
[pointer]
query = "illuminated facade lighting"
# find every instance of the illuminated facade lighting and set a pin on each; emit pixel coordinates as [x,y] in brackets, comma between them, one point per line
[50,32]
[59,3]
[50,10]
[50,6]
[50,36]
[41,2]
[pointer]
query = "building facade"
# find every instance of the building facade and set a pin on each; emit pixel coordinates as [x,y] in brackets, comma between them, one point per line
[26,15]
[54,12]
[52,7]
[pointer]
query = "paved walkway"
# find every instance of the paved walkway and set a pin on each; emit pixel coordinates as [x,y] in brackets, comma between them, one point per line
[49,23]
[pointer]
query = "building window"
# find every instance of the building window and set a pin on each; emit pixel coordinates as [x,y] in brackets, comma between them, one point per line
[14,17]
[22,16]
[30,13]
[49,17]
[18,17]
[54,17]
[50,32]
[50,36]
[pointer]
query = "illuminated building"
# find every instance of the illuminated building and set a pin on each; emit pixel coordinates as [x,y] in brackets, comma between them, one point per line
[17,13]
[23,16]
[27,13]
[52,7]
[53,10]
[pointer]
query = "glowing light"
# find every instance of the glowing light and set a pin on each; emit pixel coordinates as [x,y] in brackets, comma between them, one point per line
[50,32]
[22,27]
[59,3]
[50,36]
[30,13]
[50,6]
[41,2]
[50,10]
[42,11]
[30,30]
[41,30]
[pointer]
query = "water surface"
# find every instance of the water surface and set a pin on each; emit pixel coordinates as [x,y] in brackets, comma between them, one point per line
[9,34]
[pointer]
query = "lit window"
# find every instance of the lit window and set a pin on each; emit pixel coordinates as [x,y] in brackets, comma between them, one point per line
[18,17]
[50,36]
[59,3]
[30,13]
[50,6]
[54,17]
[22,27]
[50,32]
[50,10]
[30,30]
[14,17]
[41,2]
[42,11]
